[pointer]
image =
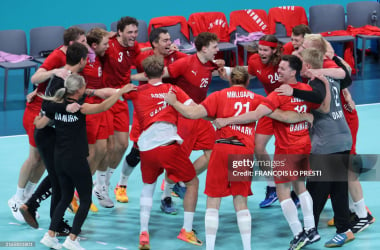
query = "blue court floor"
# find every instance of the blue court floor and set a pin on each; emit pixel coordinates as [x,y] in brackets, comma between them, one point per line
[118,228]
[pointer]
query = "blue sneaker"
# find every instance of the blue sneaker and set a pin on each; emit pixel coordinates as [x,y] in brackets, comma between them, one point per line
[295,199]
[340,239]
[180,191]
[270,197]
[167,206]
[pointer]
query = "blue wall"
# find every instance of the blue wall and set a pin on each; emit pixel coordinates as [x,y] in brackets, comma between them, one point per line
[24,14]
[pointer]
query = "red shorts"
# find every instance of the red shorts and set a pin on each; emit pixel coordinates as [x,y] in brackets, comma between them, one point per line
[217,181]
[120,115]
[135,130]
[291,164]
[353,123]
[28,123]
[171,158]
[265,126]
[196,134]
[97,127]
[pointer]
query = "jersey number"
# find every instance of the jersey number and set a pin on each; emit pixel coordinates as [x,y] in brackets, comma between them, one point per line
[120,57]
[301,108]
[239,106]
[273,78]
[336,96]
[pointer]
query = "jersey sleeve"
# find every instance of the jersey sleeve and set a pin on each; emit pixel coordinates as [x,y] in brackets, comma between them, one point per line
[252,64]
[288,48]
[181,95]
[211,104]
[176,68]
[273,101]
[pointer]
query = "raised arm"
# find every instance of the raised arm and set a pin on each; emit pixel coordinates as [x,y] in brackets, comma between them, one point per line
[142,77]
[42,75]
[106,104]
[195,111]
[249,117]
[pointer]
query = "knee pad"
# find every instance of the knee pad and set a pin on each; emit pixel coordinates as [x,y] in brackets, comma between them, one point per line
[133,158]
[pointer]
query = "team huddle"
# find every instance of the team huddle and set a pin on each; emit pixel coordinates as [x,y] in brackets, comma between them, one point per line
[77,121]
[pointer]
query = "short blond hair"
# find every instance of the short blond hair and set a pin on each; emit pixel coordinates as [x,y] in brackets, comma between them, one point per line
[313,57]
[317,42]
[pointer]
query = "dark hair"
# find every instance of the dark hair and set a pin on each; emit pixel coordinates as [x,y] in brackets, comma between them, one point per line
[153,66]
[204,39]
[75,52]
[72,34]
[125,21]
[294,62]
[301,29]
[155,35]
[277,55]
[95,35]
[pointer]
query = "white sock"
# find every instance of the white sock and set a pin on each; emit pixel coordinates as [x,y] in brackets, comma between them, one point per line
[360,209]
[351,205]
[182,184]
[244,223]
[20,193]
[125,173]
[109,175]
[29,189]
[290,212]
[101,178]
[167,190]
[307,210]
[211,227]
[146,201]
[270,182]
[188,218]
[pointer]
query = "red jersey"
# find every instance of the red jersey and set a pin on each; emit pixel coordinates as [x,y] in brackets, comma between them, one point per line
[234,101]
[328,64]
[291,135]
[93,74]
[169,59]
[192,76]
[289,16]
[288,48]
[117,63]
[148,102]
[55,60]
[266,73]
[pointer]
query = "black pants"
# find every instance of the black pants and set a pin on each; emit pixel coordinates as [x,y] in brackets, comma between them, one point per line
[73,173]
[333,182]
[45,141]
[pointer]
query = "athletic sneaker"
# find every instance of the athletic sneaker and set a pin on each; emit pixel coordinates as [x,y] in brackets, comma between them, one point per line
[299,241]
[144,241]
[14,204]
[121,193]
[73,207]
[359,224]
[270,197]
[103,198]
[72,244]
[295,199]
[29,215]
[340,239]
[179,190]
[51,242]
[64,229]
[190,237]
[313,235]
[331,222]
[167,206]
